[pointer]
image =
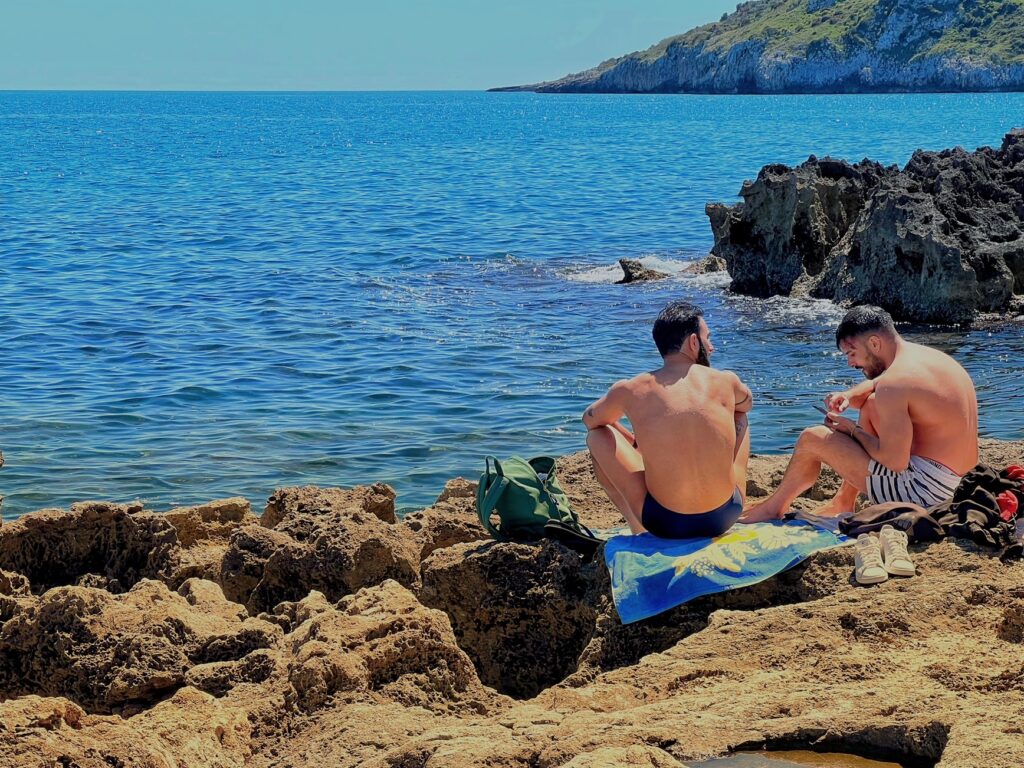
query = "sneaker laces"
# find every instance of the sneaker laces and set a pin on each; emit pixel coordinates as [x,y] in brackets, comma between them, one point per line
[870,554]
[897,545]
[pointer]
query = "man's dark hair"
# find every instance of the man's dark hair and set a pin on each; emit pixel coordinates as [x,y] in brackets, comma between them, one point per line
[865,319]
[676,321]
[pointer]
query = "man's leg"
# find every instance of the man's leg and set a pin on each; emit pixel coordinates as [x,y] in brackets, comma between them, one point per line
[846,497]
[741,456]
[620,469]
[815,446]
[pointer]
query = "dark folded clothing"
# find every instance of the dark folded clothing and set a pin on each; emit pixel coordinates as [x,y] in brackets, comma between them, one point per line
[974,513]
[904,516]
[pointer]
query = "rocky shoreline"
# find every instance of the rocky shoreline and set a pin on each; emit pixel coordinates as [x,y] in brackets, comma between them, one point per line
[940,241]
[823,46]
[329,632]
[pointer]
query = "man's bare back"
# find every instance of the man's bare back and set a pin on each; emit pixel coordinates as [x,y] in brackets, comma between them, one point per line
[684,426]
[683,473]
[941,402]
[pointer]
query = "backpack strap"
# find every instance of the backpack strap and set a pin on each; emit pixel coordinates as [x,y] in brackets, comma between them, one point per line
[488,494]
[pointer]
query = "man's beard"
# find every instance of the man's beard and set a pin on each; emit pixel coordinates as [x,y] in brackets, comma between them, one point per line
[702,354]
[873,368]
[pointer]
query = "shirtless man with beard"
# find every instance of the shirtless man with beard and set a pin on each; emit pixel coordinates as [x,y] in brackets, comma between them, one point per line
[917,434]
[684,472]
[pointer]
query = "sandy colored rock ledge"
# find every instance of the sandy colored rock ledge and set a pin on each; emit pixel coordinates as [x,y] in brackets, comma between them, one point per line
[133,672]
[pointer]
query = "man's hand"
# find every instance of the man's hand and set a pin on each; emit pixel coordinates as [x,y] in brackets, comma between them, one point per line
[837,402]
[840,424]
[854,397]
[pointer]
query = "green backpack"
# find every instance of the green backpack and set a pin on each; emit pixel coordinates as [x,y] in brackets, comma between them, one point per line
[524,494]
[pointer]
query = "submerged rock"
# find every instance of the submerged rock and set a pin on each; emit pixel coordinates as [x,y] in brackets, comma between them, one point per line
[635,272]
[940,241]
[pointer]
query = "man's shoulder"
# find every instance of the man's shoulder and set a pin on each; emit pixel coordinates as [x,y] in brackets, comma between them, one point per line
[630,386]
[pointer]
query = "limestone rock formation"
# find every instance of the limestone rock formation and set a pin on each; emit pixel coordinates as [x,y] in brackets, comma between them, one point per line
[189,729]
[203,532]
[106,651]
[706,266]
[520,611]
[119,542]
[381,641]
[940,241]
[927,670]
[825,46]
[451,520]
[635,272]
[330,539]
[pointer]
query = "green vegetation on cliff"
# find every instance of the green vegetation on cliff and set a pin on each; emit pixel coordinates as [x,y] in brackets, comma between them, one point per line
[980,30]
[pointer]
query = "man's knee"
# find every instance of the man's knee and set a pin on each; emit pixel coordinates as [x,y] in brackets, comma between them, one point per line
[600,437]
[869,405]
[812,437]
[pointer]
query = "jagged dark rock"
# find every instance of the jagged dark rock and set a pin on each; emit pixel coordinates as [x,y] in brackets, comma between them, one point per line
[635,272]
[940,241]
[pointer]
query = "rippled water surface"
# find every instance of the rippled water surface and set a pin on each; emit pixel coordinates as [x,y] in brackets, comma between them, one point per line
[217,294]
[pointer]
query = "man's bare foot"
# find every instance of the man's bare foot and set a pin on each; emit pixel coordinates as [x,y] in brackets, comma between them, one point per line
[759,513]
[835,507]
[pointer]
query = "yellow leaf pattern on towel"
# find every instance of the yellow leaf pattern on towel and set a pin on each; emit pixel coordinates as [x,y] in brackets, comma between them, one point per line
[729,552]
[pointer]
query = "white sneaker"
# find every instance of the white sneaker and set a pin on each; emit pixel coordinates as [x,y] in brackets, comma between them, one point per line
[867,558]
[894,552]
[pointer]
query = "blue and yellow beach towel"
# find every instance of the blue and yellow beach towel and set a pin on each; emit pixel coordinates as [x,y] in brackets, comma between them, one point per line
[650,575]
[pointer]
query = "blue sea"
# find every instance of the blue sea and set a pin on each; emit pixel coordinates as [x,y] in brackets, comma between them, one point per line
[216,294]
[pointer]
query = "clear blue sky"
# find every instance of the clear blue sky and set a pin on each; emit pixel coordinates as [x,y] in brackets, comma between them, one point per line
[324,45]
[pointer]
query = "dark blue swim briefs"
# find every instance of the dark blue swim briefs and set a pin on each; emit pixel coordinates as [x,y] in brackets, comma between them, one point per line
[666,524]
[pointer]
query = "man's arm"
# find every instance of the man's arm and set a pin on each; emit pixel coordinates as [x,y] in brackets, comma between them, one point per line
[609,409]
[743,396]
[854,397]
[891,448]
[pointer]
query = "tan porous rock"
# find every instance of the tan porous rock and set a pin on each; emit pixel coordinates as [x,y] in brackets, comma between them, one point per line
[106,651]
[215,520]
[329,539]
[381,642]
[451,520]
[121,543]
[190,729]
[298,507]
[522,612]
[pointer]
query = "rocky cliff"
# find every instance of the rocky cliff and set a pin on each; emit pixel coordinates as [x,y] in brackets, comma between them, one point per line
[328,632]
[940,241]
[826,46]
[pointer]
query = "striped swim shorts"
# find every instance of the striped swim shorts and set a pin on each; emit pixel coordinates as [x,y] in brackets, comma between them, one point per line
[925,483]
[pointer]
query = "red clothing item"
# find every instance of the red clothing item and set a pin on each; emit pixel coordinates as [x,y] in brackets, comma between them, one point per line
[1007,501]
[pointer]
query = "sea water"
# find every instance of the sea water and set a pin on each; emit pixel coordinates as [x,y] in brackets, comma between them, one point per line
[212,294]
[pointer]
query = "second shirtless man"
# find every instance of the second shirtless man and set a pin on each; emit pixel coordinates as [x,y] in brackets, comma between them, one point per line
[917,433]
[684,472]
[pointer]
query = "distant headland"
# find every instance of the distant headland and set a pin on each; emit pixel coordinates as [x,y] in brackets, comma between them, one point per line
[825,46]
